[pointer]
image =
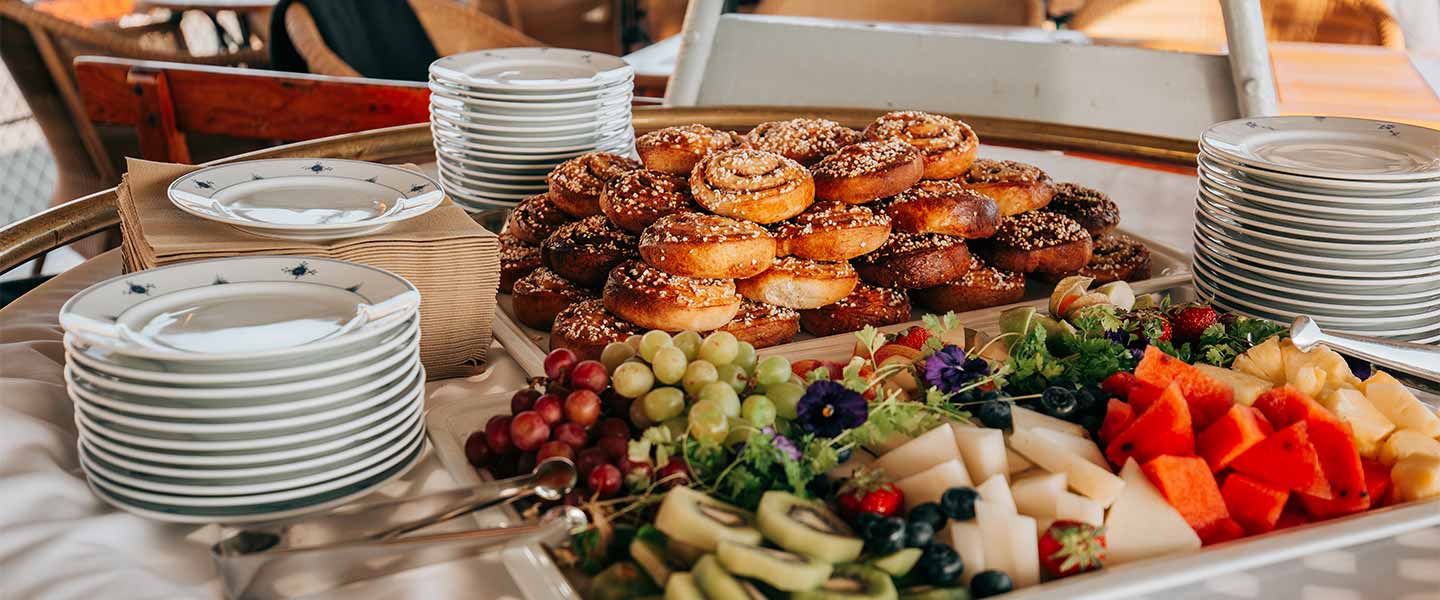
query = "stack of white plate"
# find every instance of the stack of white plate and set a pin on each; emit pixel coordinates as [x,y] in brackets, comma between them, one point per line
[1330,217]
[503,118]
[245,389]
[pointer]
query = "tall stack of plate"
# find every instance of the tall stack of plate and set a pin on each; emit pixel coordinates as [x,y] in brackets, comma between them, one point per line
[503,118]
[1330,217]
[245,389]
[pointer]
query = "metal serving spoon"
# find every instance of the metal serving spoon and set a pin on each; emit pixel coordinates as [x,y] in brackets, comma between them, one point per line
[1417,360]
[297,558]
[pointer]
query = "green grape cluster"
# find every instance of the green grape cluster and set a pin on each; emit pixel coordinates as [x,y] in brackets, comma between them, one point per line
[715,387]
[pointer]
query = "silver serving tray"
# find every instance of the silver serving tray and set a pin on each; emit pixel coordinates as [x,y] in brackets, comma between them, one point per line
[451,422]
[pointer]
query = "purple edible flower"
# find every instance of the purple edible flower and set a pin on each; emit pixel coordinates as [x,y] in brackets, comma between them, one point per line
[782,443]
[948,369]
[827,409]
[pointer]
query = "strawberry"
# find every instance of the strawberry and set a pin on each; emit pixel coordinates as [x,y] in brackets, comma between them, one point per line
[1118,384]
[1192,321]
[866,492]
[914,337]
[1070,547]
[802,368]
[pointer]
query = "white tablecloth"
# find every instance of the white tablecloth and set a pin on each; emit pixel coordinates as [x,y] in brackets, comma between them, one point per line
[59,541]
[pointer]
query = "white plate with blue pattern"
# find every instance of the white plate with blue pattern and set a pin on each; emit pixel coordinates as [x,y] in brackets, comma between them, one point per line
[1338,148]
[541,70]
[305,198]
[243,309]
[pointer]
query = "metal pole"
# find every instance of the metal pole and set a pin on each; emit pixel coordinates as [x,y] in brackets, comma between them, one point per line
[697,37]
[1249,58]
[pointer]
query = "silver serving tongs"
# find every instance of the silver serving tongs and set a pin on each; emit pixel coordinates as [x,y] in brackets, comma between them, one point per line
[1419,361]
[297,558]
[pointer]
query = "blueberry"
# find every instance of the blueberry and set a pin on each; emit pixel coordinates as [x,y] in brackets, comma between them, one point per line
[940,565]
[864,520]
[844,455]
[885,535]
[995,414]
[918,534]
[990,583]
[929,512]
[1090,401]
[959,503]
[1058,402]
[1091,423]
[819,487]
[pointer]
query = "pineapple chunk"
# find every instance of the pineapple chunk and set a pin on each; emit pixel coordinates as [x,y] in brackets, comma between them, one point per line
[1367,424]
[1377,377]
[1320,357]
[1310,380]
[1416,478]
[1406,443]
[1245,386]
[1264,360]
[1403,408]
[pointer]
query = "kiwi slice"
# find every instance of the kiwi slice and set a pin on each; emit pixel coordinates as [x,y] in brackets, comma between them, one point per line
[807,527]
[897,563]
[654,560]
[927,592]
[783,570]
[701,521]
[718,584]
[682,586]
[853,582]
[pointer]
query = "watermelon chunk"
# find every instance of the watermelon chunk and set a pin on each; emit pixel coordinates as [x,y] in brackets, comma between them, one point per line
[1188,485]
[1142,395]
[1220,531]
[1164,429]
[1286,459]
[1230,436]
[1118,416]
[1340,460]
[1284,406]
[1254,504]
[1377,482]
[1208,398]
[1291,518]
[1262,421]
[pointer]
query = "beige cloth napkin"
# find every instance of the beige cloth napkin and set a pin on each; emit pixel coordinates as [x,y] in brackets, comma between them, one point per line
[453,261]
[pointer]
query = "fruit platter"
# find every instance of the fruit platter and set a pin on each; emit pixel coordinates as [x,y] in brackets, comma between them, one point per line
[1105,443]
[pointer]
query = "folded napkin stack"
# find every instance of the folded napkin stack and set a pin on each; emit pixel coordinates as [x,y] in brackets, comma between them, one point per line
[454,262]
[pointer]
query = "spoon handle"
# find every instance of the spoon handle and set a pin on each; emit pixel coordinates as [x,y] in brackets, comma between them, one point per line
[1419,360]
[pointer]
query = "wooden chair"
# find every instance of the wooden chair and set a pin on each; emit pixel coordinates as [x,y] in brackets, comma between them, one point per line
[452,28]
[1190,25]
[37,48]
[166,101]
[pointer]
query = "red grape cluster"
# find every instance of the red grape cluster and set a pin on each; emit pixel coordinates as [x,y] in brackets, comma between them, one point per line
[567,414]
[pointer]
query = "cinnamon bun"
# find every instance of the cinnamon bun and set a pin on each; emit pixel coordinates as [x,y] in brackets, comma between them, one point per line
[1091,208]
[542,294]
[867,171]
[753,185]
[948,145]
[586,250]
[832,231]
[915,260]
[1040,241]
[535,218]
[1015,186]
[654,299]
[982,286]
[700,245]
[1115,257]
[799,283]
[763,324]
[943,207]
[635,199]
[576,184]
[677,149]
[866,305]
[586,328]
[517,259]
[805,141]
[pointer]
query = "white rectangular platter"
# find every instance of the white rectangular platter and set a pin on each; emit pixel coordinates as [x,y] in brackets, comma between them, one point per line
[1170,267]
[449,424]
